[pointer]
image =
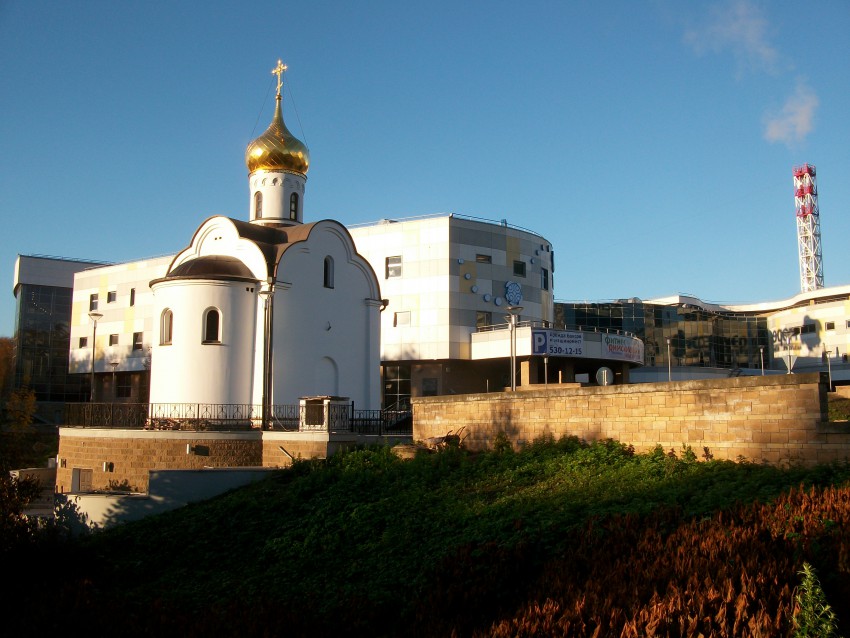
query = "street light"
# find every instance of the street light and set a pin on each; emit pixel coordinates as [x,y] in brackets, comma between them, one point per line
[114,365]
[761,354]
[787,334]
[669,362]
[512,318]
[828,366]
[94,316]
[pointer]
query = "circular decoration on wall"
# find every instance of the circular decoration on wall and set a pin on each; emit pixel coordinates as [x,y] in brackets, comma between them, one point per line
[532,260]
[467,276]
[487,298]
[513,293]
[475,289]
[498,301]
[536,251]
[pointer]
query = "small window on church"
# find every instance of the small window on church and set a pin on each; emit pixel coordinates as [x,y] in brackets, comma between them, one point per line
[293,206]
[329,272]
[166,327]
[258,205]
[212,321]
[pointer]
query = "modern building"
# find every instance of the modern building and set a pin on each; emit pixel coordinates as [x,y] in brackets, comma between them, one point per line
[115,353]
[43,289]
[445,277]
[687,338]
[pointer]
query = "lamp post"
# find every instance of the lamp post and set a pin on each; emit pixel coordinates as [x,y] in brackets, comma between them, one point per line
[761,354]
[546,371]
[512,319]
[828,367]
[94,316]
[669,362]
[787,334]
[114,365]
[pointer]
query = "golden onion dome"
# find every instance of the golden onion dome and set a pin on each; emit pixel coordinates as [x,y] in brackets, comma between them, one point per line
[277,148]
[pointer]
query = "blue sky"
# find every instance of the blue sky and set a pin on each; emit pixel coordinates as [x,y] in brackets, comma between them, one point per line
[651,142]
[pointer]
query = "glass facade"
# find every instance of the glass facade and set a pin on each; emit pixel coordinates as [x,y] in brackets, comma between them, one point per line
[42,344]
[698,337]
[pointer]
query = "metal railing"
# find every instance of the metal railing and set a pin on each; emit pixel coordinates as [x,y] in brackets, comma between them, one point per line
[548,325]
[230,417]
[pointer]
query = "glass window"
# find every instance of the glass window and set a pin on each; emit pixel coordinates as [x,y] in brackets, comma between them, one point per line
[113,340]
[93,302]
[430,386]
[124,385]
[393,267]
[329,272]
[544,279]
[483,318]
[111,296]
[137,341]
[132,296]
[211,326]
[830,325]
[166,327]
[519,268]
[484,259]
[258,205]
[84,342]
[293,206]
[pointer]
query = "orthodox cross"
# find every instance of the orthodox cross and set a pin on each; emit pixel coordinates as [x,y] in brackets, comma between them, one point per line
[279,71]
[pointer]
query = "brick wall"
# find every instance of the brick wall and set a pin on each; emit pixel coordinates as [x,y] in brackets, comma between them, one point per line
[776,419]
[133,453]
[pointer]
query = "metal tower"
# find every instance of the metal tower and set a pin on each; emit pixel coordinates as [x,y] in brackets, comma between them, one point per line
[808,227]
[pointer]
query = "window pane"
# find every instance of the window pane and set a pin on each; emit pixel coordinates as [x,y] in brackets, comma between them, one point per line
[211,328]
[393,267]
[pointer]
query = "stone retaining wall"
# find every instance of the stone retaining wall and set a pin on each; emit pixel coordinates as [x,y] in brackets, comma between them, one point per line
[133,453]
[777,419]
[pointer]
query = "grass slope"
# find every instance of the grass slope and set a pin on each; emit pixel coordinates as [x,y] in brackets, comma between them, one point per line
[366,542]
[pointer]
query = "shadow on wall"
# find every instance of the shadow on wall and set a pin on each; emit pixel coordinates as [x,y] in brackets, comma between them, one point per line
[168,490]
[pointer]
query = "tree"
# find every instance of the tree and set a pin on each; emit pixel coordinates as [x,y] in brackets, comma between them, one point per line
[20,409]
[7,364]
[15,495]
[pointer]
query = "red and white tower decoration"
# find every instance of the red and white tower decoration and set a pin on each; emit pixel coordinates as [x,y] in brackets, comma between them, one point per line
[808,227]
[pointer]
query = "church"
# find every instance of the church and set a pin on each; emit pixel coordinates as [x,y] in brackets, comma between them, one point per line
[270,310]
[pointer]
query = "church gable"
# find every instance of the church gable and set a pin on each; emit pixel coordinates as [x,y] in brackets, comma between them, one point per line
[221,236]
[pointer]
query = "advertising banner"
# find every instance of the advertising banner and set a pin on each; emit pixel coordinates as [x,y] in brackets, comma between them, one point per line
[554,343]
[625,348]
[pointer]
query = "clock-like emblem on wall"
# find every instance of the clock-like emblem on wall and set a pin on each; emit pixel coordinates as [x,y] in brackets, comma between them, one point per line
[513,293]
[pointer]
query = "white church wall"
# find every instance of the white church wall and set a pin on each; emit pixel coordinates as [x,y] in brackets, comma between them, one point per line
[326,340]
[190,371]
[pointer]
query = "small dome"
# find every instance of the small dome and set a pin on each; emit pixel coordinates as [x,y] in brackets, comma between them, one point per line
[277,148]
[212,266]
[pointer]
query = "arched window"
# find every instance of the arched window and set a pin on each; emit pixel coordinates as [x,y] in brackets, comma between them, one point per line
[293,206]
[212,326]
[329,272]
[166,327]
[258,205]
